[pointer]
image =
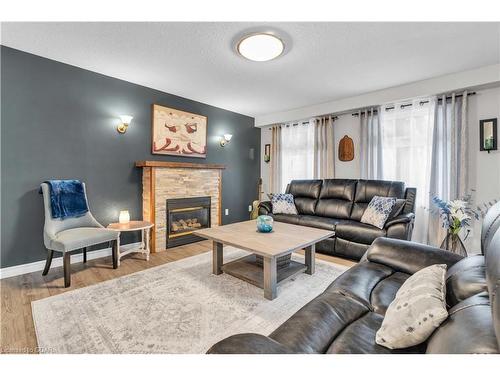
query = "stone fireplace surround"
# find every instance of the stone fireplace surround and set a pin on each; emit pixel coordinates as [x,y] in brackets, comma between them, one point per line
[167,180]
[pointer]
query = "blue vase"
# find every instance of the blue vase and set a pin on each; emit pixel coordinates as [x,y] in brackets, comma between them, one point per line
[265,224]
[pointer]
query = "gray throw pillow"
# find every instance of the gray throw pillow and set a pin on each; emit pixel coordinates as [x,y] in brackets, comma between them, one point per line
[417,310]
[378,211]
[284,204]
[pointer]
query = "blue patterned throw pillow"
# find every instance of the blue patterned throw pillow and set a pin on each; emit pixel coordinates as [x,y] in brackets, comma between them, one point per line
[283,204]
[378,211]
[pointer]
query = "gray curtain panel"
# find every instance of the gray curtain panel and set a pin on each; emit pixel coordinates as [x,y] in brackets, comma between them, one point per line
[324,147]
[275,178]
[449,177]
[371,144]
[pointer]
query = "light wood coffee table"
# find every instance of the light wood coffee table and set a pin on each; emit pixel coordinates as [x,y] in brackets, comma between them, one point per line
[283,240]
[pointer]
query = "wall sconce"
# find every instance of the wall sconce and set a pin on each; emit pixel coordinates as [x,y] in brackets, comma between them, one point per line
[125,122]
[124,217]
[225,139]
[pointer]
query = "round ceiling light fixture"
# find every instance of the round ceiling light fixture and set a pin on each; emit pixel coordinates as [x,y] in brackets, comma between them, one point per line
[260,47]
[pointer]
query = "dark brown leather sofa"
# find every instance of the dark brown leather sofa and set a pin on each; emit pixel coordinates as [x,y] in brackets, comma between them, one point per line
[347,315]
[339,204]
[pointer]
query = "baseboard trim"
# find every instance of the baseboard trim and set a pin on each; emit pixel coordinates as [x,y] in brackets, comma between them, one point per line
[23,269]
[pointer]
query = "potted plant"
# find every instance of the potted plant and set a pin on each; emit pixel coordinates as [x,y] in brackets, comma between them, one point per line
[456,215]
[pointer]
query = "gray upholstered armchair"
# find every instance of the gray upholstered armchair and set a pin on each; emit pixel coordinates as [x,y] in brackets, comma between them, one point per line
[73,234]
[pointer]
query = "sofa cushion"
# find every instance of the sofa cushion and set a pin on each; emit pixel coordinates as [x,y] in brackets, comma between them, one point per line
[283,204]
[358,232]
[327,246]
[359,338]
[408,257]
[349,249]
[359,282]
[314,326]
[417,310]
[336,198]
[468,329]
[305,194]
[385,291]
[465,279]
[367,189]
[318,222]
[378,211]
[289,219]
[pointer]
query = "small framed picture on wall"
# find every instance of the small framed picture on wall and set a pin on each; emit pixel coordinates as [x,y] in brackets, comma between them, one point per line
[267,153]
[488,135]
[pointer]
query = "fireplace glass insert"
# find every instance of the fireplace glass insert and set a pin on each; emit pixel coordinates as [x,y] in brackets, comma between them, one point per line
[184,216]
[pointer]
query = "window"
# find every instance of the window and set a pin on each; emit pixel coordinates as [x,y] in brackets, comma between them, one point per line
[407,132]
[297,153]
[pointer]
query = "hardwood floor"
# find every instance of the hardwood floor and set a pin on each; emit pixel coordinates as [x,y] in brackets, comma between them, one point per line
[17,329]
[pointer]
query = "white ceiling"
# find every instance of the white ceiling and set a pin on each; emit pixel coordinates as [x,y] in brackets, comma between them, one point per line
[326,61]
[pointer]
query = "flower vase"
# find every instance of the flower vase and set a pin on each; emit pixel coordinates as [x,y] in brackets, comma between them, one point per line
[452,242]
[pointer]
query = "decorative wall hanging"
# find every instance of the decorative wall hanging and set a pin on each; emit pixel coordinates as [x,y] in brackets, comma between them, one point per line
[346,149]
[267,153]
[178,133]
[488,135]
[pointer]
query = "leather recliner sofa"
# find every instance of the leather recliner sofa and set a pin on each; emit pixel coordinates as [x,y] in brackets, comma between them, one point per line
[339,204]
[347,315]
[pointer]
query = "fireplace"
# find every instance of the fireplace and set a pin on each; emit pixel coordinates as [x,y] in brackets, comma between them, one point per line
[184,216]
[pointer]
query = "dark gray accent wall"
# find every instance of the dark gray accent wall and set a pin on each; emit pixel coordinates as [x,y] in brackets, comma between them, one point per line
[59,122]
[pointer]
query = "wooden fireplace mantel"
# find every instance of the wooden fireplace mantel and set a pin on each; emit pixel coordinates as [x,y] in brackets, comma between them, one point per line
[173,164]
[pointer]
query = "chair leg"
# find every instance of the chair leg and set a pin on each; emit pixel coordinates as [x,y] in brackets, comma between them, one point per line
[48,262]
[67,269]
[114,253]
[84,255]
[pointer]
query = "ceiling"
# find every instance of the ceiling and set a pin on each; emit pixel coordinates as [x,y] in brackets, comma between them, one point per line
[324,61]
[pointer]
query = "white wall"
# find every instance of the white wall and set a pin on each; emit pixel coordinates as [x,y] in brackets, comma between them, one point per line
[486,75]
[265,168]
[347,125]
[484,168]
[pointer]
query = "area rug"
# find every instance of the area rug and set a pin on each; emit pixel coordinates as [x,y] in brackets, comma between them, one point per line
[178,307]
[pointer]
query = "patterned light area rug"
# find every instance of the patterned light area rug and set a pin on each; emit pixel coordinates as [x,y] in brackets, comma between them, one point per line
[178,307]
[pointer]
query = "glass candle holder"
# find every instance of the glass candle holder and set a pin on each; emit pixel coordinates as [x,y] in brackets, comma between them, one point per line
[265,224]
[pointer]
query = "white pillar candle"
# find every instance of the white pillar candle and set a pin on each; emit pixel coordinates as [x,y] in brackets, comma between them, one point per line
[124,217]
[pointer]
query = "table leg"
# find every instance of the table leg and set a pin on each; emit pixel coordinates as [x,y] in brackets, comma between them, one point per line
[118,255]
[147,242]
[217,258]
[310,259]
[270,275]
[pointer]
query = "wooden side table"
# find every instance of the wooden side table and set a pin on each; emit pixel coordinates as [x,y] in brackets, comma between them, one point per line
[143,247]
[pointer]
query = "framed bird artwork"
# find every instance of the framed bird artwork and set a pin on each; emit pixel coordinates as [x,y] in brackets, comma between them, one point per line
[178,133]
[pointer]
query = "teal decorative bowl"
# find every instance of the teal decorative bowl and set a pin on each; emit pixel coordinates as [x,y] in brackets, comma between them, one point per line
[265,224]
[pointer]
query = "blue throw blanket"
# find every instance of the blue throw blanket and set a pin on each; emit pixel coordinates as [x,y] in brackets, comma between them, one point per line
[67,198]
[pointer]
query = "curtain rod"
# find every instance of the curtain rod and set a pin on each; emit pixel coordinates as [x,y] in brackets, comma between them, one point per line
[421,103]
[388,108]
[305,122]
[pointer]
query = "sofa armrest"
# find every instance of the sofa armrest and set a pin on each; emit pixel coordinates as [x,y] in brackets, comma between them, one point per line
[248,343]
[407,256]
[265,208]
[403,218]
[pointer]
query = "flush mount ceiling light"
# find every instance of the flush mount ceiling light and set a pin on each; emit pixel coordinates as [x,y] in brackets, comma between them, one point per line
[260,47]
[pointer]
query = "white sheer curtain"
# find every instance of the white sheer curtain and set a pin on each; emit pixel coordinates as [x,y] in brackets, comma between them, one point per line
[275,177]
[324,147]
[448,179]
[407,139]
[297,152]
[371,144]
